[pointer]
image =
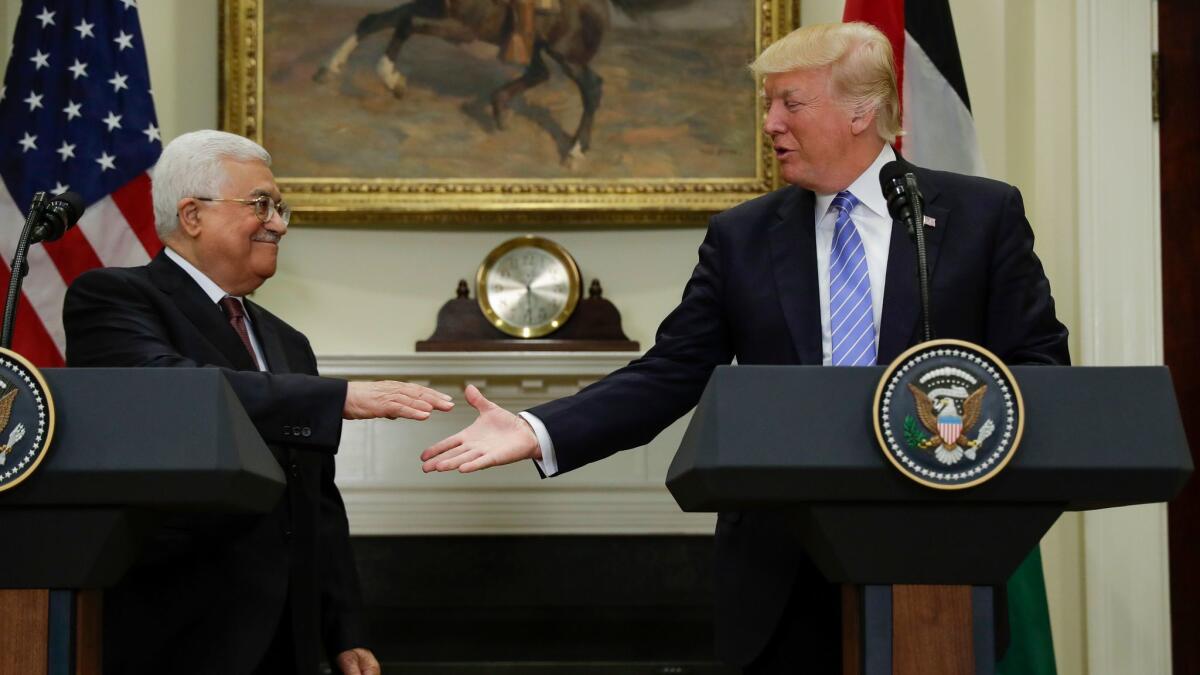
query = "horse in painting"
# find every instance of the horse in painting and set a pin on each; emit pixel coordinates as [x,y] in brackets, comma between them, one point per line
[570,33]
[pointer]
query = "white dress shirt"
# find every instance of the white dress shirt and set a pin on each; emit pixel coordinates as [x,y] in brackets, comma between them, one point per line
[214,293]
[874,228]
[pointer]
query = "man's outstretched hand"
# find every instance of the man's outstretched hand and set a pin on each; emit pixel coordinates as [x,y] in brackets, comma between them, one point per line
[358,661]
[392,399]
[496,437]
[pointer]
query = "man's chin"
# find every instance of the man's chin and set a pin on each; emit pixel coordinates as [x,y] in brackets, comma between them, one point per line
[794,176]
[264,269]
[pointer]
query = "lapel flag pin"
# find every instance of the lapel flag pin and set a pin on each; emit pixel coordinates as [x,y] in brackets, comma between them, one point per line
[929,222]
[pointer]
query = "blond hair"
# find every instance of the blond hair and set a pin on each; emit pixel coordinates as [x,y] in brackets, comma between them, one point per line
[862,68]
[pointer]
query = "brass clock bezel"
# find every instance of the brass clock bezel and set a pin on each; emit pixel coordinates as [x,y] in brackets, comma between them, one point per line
[555,322]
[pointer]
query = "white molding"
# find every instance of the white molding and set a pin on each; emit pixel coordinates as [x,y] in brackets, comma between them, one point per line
[387,494]
[1126,577]
[538,510]
[440,364]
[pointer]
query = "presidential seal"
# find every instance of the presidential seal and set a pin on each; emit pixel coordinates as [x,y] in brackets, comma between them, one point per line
[948,414]
[26,419]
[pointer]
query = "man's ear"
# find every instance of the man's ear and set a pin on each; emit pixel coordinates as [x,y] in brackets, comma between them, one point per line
[188,212]
[861,121]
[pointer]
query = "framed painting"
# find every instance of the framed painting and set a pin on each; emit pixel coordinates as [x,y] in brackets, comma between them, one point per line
[477,113]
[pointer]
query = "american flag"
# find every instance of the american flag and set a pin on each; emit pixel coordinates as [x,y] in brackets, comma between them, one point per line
[75,113]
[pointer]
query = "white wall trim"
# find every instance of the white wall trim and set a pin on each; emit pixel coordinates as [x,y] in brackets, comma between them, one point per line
[642,509]
[1126,584]
[429,364]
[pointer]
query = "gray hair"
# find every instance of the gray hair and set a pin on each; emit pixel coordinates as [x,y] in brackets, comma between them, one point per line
[190,166]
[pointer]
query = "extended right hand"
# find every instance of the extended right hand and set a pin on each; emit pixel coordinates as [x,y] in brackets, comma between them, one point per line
[392,399]
[495,438]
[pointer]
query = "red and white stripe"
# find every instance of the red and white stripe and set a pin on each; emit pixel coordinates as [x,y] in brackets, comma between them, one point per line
[949,432]
[117,231]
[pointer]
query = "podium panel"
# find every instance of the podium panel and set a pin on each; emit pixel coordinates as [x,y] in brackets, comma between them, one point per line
[132,447]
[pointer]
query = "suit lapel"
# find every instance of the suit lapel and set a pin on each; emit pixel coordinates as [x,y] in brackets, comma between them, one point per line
[268,338]
[901,295]
[208,318]
[793,241]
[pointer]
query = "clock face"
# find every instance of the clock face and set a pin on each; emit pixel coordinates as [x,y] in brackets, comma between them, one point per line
[528,287]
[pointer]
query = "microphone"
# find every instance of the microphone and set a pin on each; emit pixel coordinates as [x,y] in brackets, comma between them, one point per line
[47,220]
[906,205]
[898,183]
[59,215]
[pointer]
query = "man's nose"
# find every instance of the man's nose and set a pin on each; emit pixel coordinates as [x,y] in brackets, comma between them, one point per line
[275,223]
[772,121]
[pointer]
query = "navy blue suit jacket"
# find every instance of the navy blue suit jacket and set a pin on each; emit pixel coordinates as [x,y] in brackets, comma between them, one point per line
[753,295]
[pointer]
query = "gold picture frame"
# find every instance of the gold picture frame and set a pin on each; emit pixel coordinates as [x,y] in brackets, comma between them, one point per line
[469,201]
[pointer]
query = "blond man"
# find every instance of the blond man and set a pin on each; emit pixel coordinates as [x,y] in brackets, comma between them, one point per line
[816,273]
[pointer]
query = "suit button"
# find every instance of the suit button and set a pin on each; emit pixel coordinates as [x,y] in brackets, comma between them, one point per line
[295,431]
[306,432]
[295,470]
[287,431]
[287,534]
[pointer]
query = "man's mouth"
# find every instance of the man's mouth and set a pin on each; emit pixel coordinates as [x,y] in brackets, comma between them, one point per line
[781,151]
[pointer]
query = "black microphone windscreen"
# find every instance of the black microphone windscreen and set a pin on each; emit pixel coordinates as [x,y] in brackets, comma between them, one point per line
[59,215]
[890,172]
[72,205]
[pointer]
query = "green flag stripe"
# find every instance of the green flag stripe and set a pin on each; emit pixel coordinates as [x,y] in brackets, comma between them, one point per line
[1031,649]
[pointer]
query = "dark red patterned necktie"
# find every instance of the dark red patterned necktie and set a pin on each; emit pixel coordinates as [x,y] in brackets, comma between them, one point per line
[237,318]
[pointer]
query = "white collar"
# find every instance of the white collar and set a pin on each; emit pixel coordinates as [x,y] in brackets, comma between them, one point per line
[210,287]
[865,187]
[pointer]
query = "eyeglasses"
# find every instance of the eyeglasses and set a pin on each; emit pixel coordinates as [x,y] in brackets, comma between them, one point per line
[263,206]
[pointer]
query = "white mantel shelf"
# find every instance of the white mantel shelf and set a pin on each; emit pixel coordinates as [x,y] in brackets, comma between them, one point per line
[446,364]
[386,492]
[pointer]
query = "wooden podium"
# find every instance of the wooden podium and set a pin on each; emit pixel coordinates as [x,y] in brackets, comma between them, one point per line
[918,564]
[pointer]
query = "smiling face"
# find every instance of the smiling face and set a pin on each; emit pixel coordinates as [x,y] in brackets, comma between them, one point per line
[821,144]
[226,240]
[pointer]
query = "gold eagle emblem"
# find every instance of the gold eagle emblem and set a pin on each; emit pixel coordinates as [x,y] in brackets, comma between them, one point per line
[18,432]
[928,411]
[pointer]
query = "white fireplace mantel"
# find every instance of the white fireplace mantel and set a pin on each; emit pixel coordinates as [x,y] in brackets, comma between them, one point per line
[386,493]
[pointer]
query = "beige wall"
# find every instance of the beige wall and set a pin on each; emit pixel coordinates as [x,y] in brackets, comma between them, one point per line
[387,285]
[377,292]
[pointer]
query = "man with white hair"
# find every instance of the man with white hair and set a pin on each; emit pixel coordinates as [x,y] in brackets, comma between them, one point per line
[270,594]
[815,273]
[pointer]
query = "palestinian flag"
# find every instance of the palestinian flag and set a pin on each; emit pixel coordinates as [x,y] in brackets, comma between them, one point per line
[940,134]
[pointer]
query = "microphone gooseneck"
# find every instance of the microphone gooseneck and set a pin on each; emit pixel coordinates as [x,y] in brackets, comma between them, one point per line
[47,220]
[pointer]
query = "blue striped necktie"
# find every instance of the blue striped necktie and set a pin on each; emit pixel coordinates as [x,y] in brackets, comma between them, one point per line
[851,320]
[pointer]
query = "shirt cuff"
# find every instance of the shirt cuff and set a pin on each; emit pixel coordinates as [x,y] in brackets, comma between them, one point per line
[548,463]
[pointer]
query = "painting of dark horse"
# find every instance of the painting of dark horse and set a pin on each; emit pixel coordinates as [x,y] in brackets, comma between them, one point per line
[611,82]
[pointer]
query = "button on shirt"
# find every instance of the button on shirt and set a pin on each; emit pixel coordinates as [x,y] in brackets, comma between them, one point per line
[874,228]
[214,293]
